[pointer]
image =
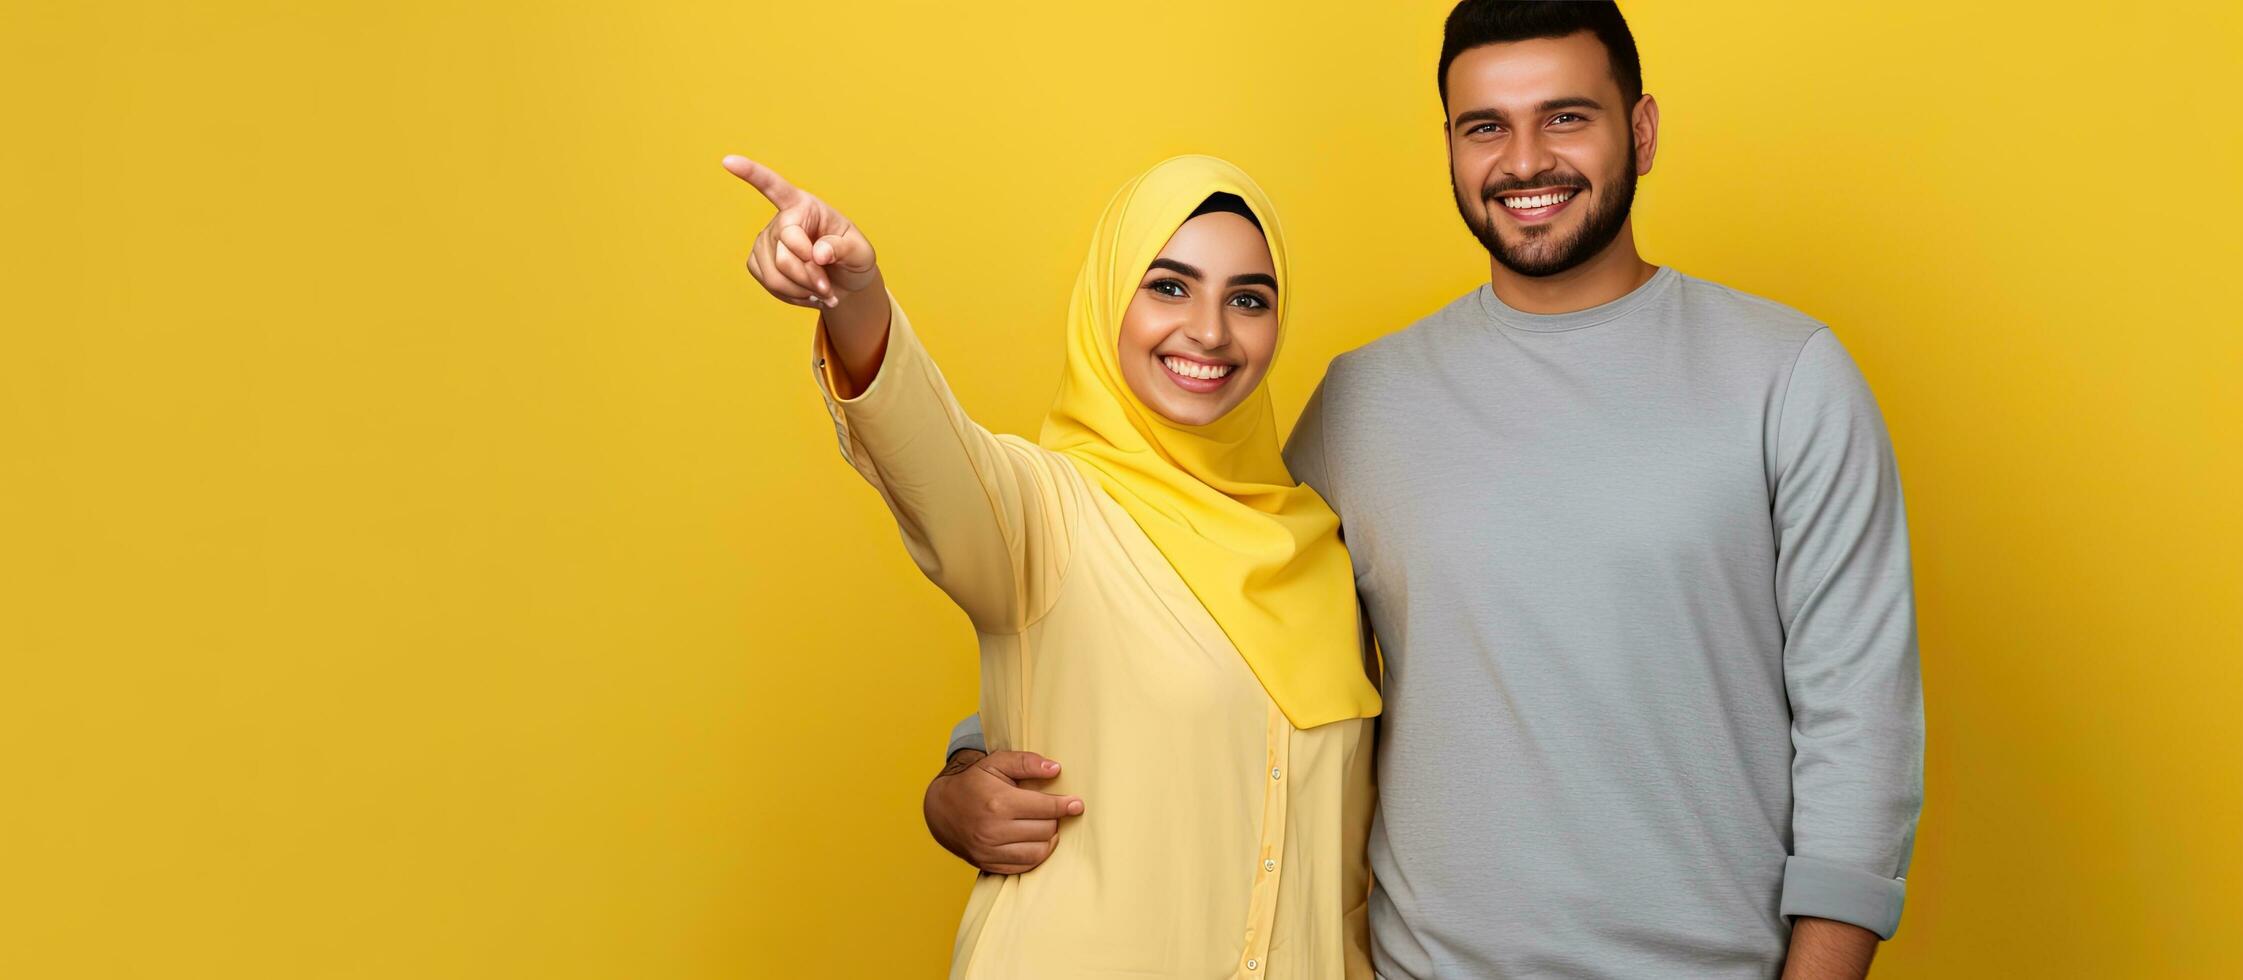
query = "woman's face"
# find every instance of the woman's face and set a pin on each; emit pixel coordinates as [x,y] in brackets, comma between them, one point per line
[1202,328]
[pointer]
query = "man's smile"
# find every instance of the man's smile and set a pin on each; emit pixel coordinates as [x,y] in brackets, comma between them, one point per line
[1537,205]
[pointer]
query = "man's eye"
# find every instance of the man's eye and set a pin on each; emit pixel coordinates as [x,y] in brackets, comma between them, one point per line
[1563,116]
[1481,128]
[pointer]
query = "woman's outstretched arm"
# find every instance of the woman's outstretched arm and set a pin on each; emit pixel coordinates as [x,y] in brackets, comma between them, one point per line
[989,519]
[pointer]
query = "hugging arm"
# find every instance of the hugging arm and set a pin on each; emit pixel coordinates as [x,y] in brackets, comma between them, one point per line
[981,808]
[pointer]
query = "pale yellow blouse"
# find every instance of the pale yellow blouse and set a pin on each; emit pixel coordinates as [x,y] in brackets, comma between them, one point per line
[1217,840]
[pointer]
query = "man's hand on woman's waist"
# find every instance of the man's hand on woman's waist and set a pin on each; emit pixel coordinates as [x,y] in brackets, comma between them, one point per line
[978,809]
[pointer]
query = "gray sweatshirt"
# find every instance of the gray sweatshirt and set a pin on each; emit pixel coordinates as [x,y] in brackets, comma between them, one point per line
[1640,576]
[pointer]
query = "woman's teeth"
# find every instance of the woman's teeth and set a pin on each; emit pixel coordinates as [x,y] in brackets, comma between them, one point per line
[1194,369]
[1538,200]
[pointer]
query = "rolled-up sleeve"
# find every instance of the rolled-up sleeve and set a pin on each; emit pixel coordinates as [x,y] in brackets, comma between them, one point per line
[1850,657]
[966,735]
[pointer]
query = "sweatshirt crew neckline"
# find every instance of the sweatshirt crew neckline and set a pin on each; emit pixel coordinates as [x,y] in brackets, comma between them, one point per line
[1506,315]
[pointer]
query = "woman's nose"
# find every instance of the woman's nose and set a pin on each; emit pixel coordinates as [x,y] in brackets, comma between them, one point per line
[1207,327]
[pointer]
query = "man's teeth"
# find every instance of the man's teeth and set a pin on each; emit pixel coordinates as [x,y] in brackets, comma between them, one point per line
[1194,369]
[1538,200]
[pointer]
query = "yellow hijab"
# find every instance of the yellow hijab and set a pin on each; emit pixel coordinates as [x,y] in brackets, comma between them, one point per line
[1260,550]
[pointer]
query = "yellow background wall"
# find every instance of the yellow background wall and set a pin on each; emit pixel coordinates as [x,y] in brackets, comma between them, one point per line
[425,555]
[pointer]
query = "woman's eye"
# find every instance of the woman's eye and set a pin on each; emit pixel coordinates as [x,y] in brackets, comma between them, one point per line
[1166,287]
[1252,301]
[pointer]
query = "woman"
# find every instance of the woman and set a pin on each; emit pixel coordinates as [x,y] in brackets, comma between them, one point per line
[1158,601]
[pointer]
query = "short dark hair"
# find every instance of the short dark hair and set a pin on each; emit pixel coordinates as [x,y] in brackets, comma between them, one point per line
[1477,22]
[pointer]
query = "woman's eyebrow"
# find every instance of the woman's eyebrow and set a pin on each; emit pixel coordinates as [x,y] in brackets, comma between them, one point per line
[1254,279]
[1178,267]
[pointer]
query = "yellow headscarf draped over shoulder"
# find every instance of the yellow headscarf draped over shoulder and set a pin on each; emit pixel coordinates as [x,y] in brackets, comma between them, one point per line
[1260,550]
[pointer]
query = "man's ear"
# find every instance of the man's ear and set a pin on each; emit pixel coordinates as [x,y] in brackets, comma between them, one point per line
[1643,120]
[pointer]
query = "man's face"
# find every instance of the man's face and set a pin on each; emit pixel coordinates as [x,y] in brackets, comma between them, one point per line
[1543,157]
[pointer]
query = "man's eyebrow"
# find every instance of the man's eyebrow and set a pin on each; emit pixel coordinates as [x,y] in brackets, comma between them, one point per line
[1254,279]
[1569,102]
[1174,266]
[1470,116]
[1543,108]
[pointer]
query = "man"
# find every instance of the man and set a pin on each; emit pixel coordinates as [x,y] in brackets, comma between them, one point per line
[1632,544]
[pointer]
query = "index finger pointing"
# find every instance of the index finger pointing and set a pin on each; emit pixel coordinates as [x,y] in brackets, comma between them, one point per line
[765,180]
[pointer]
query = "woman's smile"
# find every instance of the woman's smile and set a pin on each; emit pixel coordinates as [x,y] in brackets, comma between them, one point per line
[1196,375]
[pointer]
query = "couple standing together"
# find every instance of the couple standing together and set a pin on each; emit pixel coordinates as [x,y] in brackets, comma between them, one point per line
[1645,698]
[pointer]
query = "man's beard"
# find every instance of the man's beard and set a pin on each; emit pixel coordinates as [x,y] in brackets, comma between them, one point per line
[1538,254]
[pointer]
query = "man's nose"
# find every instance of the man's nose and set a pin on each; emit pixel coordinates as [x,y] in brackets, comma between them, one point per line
[1525,156]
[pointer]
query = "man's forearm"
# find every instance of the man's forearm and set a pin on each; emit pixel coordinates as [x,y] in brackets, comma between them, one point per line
[1825,949]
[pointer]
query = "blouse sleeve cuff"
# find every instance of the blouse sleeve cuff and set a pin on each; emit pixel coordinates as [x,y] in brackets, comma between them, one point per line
[855,417]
